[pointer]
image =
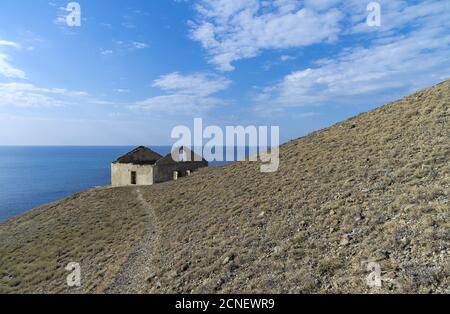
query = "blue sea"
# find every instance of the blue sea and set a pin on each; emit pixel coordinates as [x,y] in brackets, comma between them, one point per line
[34,176]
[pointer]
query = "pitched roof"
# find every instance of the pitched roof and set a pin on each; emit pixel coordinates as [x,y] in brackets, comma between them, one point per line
[139,156]
[168,159]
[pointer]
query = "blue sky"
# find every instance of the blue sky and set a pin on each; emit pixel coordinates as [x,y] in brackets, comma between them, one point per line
[135,69]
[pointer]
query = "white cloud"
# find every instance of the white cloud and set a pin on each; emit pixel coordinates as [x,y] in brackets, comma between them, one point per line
[241,29]
[234,30]
[9,44]
[61,17]
[382,71]
[139,45]
[285,58]
[180,104]
[408,52]
[106,51]
[196,84]
[28,95]
[186,94]
[9,71]
[6,69]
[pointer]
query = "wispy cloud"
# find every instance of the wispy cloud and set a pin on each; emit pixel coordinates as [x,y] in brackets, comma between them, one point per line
[382,71]
[186,94]
[8,70]
[409,51]
[106,51]
[139,45]
[196,84]
[7,43]
[61,16]
[235,30]
[29,95]
[122,47]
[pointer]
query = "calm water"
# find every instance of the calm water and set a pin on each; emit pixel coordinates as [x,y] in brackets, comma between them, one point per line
[33,176]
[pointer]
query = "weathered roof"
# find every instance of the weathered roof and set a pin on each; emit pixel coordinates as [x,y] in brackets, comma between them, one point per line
[168,159]
[139,156]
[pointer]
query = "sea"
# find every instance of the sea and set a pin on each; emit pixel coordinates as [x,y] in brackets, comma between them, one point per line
[34,176]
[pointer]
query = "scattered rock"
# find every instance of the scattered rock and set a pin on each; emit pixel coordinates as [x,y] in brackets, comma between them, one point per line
[277,250]
[262,215]
[345,239]
[185,266]
[151,276]
[359,217]
[232,266]
[228,259]
[7,278]
[173,274]
[158,285]
[219,283]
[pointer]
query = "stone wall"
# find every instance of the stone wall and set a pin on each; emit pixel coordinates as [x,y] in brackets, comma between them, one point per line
[163,173]
[121,174]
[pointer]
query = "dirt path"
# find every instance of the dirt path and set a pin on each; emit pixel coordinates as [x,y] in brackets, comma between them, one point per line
[139,267]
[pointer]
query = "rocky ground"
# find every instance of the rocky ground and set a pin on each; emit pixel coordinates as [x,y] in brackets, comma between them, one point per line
[372,189]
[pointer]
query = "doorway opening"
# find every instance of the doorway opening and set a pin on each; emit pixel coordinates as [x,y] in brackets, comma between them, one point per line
[133,178]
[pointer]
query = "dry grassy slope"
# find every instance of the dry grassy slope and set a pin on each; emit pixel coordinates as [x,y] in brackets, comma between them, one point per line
[373,188]
[96,229]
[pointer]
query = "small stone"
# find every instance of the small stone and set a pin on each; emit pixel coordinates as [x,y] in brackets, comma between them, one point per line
[359,217]
[185,266]
[261,215]
[228,259]
[219,283]
[277,250]
[151,276]
[345,240]
[7,278]
[232,267]
[158,285]
[173,274]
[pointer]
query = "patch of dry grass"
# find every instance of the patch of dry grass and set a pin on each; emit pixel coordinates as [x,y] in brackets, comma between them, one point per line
[96,229]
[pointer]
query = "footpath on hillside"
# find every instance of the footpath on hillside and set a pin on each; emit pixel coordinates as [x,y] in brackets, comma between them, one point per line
[139,267]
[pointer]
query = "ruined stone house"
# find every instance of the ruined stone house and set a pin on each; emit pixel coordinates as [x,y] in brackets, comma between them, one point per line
[142,166]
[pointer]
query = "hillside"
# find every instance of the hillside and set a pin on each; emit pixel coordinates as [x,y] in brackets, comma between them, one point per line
[372,188]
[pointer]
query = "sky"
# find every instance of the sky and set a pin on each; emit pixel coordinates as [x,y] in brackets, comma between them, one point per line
[135,69]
